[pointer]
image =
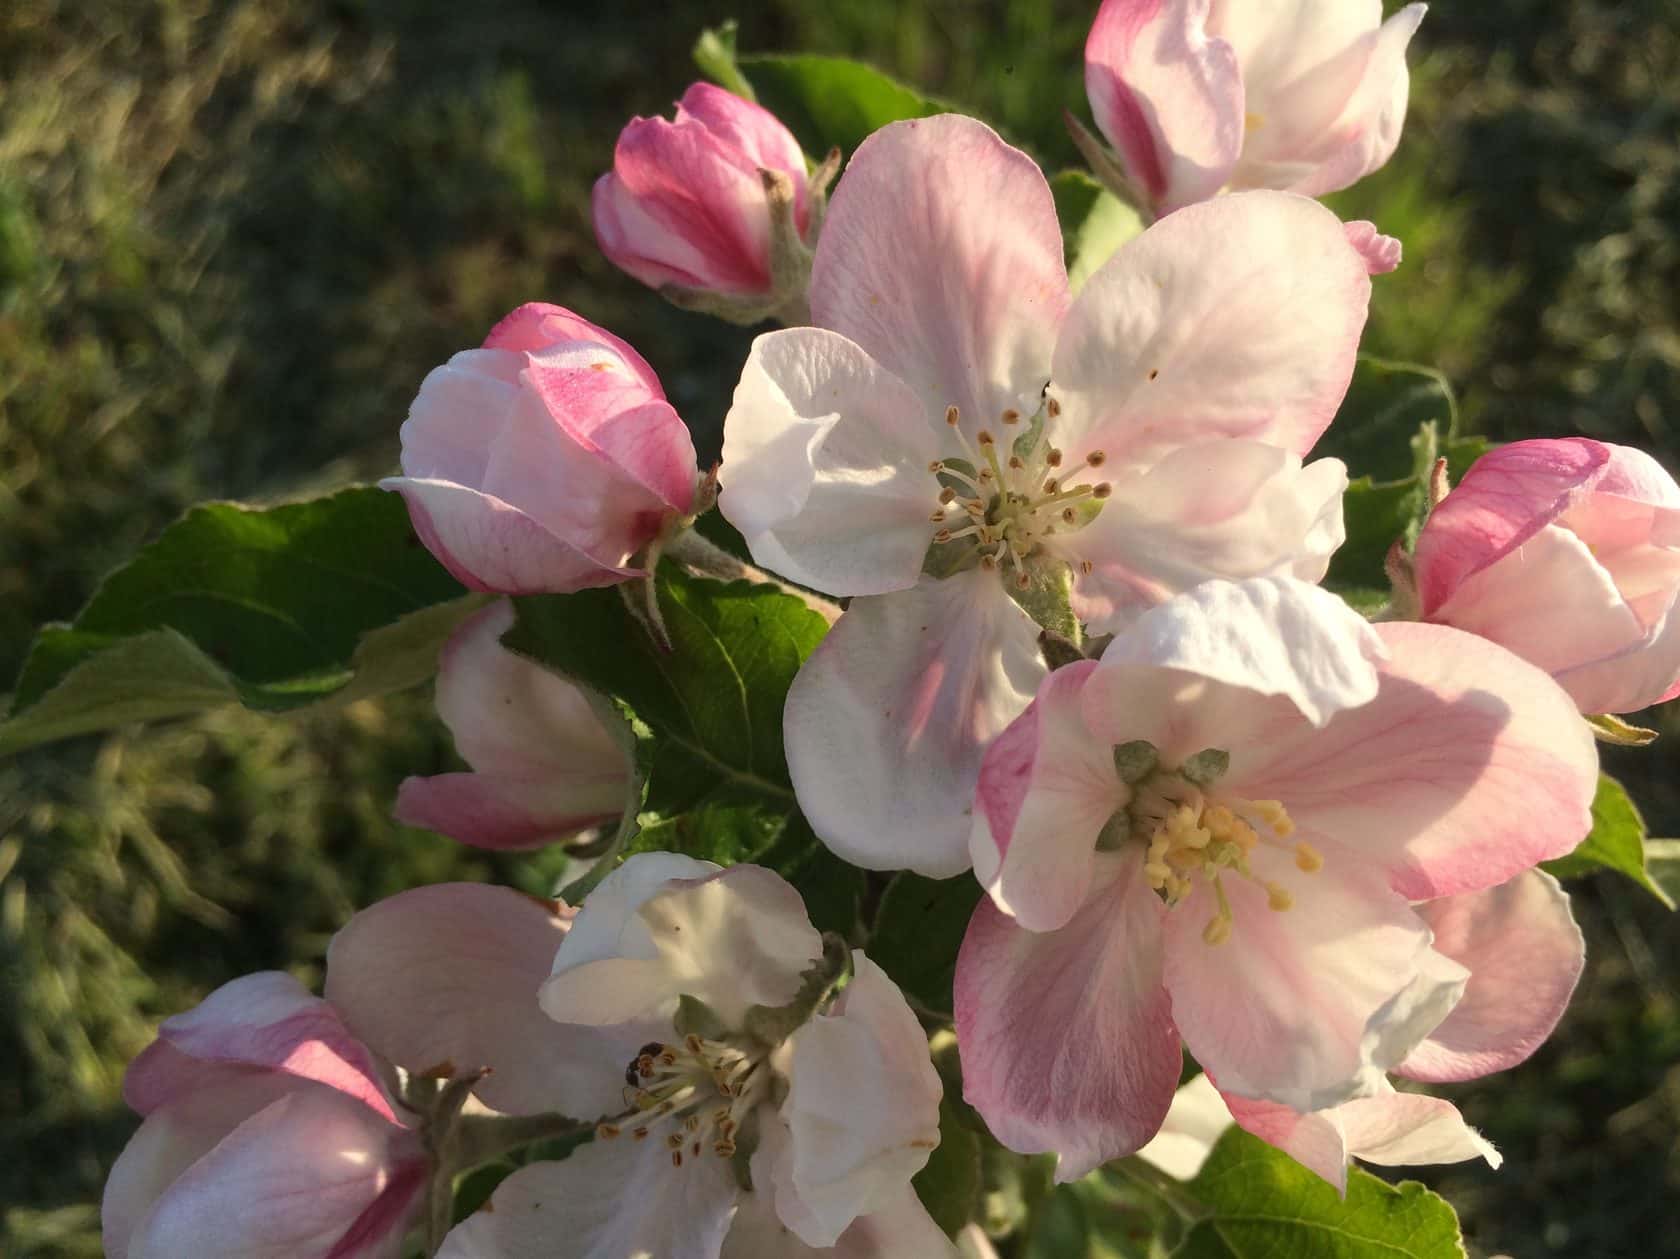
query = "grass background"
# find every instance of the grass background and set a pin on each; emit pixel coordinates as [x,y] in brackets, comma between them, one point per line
[234,234]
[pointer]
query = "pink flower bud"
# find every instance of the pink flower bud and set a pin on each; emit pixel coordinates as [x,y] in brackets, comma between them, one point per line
[1200,95]
[685,204]
[544,461]
[267,1132]
[546,767]
[1566,552]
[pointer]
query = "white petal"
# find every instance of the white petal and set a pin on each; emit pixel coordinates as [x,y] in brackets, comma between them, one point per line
[738,938]
[825,465]
[1268,636]
[887,721]
[862,1110]
[1238,317]
[1228,508]
[1197,1119]
[617,1199]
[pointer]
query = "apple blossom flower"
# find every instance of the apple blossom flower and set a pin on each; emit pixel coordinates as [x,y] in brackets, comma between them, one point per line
[713,209]
[545,766]
[546,460]
[267,1132]
[680,1007]
[1567,552]
[959,438]
[1197,96]
[1217,833]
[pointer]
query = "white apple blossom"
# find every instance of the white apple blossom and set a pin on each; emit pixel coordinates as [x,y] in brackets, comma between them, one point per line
[959,439]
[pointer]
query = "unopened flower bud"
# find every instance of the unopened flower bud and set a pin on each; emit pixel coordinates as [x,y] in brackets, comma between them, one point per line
[714,208]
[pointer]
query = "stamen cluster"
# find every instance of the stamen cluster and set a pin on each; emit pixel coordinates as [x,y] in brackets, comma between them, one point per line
[702,1090]
[1011,502]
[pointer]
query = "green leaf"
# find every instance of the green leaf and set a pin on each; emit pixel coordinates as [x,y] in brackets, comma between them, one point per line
[1616,842]
[918,929]
[708,722]
[1386,404]
[1396,419]
[949,1185]
[1662,863]
[827,102]
[1264,1203]
[276,608]
[1094,222]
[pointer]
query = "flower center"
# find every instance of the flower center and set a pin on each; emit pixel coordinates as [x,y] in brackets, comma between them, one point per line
[1010,499]
[693,1096]
[1191,834]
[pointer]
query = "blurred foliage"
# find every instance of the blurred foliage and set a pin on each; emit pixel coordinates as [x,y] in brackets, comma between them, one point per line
[234,234]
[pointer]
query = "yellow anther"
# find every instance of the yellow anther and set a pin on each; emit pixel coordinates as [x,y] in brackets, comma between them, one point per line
[985,438]
[1307,857]
[606,1131]
[1052,408]
[1217,931]
[1275,816]
[1159,872]
[1012,416]
[1096,458]
[1278,898]
[1054,458]
[947,495]
[952,416]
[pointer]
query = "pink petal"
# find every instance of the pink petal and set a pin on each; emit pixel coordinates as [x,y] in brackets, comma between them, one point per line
[733,939]
[599,403]
[1238,317]
[1046,789]
[1310,1006]
[1524,953]
[1551,602]
[887,720]
[589,456]
[1168,98]
[1067,1037]
[1467,768]
[538,325]
[1647,674]
[1381,253]
[607,1198]
[641,245]
[697,198]
[489,811]
[550,767]
[1390,1129]
[489,545]
[1220,509]
[288,1183]
[753,131]
[825,465]
[1509,494]
[862,1109]
[265,1021]
[1366,133]
[1265,636]
[941,256]
[173,1138]
[447,976]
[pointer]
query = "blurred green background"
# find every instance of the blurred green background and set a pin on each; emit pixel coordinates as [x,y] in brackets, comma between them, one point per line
[233,237]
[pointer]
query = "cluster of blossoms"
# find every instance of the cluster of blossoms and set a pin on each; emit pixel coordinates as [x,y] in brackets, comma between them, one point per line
[1083,659]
